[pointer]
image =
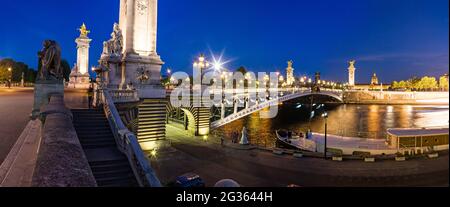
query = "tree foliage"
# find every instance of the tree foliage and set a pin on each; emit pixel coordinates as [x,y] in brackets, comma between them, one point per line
[17,68]
[242,69]
[443,83]
[65,69]
[417,84]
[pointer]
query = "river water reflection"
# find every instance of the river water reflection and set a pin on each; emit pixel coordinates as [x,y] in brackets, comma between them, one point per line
[365,121]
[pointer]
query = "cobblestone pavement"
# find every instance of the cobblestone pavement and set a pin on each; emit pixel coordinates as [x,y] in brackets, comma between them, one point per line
[256,168]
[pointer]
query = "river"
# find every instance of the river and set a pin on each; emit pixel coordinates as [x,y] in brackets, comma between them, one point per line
[364,121]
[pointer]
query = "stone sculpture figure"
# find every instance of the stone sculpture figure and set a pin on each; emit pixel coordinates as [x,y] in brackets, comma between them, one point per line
[290,63]
[143,75]
[115,44]
[352,63]
[50,59]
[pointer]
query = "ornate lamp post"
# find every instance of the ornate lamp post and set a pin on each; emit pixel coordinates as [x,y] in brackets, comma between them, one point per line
[325,116]
[10,77]
[201,64]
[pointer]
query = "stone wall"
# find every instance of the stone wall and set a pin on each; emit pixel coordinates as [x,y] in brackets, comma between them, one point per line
[389,97]
[18,167]
[61,160]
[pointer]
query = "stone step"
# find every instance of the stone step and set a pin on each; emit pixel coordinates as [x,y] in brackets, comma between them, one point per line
[151,120]
[144,138]
[144,132]
[94,132]
[82,119]
[119,172]
[152,126]
[97,141]
[117,182]
[98,146]
[109,166]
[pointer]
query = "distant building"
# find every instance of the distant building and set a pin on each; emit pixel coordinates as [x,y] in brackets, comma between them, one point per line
[374,80]
[374,85]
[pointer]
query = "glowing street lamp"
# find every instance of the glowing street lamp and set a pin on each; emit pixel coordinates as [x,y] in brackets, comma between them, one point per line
[201,58]
[325,116]
[10,77]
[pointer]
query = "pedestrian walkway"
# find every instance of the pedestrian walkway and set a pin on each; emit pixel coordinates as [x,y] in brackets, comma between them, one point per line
[257,168]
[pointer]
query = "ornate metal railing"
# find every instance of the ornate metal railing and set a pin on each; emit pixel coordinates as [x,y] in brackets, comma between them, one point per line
[123,96]
[284,96]
[128,144]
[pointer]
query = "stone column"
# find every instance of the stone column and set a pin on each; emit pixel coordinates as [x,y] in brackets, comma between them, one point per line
[83,44]
[128,26]
[351,73]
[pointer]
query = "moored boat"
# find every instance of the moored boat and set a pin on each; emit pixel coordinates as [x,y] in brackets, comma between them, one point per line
[290,140]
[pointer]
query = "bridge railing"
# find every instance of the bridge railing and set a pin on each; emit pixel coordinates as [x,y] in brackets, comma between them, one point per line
[128,144]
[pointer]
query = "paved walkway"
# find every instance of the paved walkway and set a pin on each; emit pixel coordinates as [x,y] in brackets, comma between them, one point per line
[255,168]
[15,109]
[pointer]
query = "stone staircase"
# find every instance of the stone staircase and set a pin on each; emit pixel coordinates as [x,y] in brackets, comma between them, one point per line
[109,166]
[152,120]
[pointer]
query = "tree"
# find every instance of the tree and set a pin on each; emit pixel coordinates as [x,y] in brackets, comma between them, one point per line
[429,83]
[395,85]
[65,66]
[242,69]
[403,85]
[443,83]
[17,69]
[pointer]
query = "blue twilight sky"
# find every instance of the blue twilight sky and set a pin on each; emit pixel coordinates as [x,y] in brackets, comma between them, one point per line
[394,38]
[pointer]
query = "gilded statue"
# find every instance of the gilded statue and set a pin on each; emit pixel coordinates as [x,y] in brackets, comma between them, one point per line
[83,31]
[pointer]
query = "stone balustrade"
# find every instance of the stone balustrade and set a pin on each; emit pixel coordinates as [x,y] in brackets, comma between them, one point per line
[123,96]
[61,160]
[128,144]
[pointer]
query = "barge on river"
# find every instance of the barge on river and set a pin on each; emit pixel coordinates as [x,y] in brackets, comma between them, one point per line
[404,141]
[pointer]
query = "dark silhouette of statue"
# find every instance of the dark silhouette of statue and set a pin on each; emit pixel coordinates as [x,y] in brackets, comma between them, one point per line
[50,61]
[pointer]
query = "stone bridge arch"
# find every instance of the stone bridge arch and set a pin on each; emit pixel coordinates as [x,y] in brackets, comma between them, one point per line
[196,120]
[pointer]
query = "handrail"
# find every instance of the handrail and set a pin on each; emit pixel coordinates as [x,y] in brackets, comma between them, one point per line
[128,144]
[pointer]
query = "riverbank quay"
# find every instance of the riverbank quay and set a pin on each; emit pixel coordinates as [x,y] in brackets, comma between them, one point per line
[257,167]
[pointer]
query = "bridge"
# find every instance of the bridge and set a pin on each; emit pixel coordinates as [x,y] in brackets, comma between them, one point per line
[200,120]
[253,106]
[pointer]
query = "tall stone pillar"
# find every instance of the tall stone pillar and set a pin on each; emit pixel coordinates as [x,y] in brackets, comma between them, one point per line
[79,77]
[140,68]
[351,73]
[141,64]
[290,78]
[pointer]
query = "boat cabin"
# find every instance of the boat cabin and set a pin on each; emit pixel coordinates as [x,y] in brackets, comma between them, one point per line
[418,139]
